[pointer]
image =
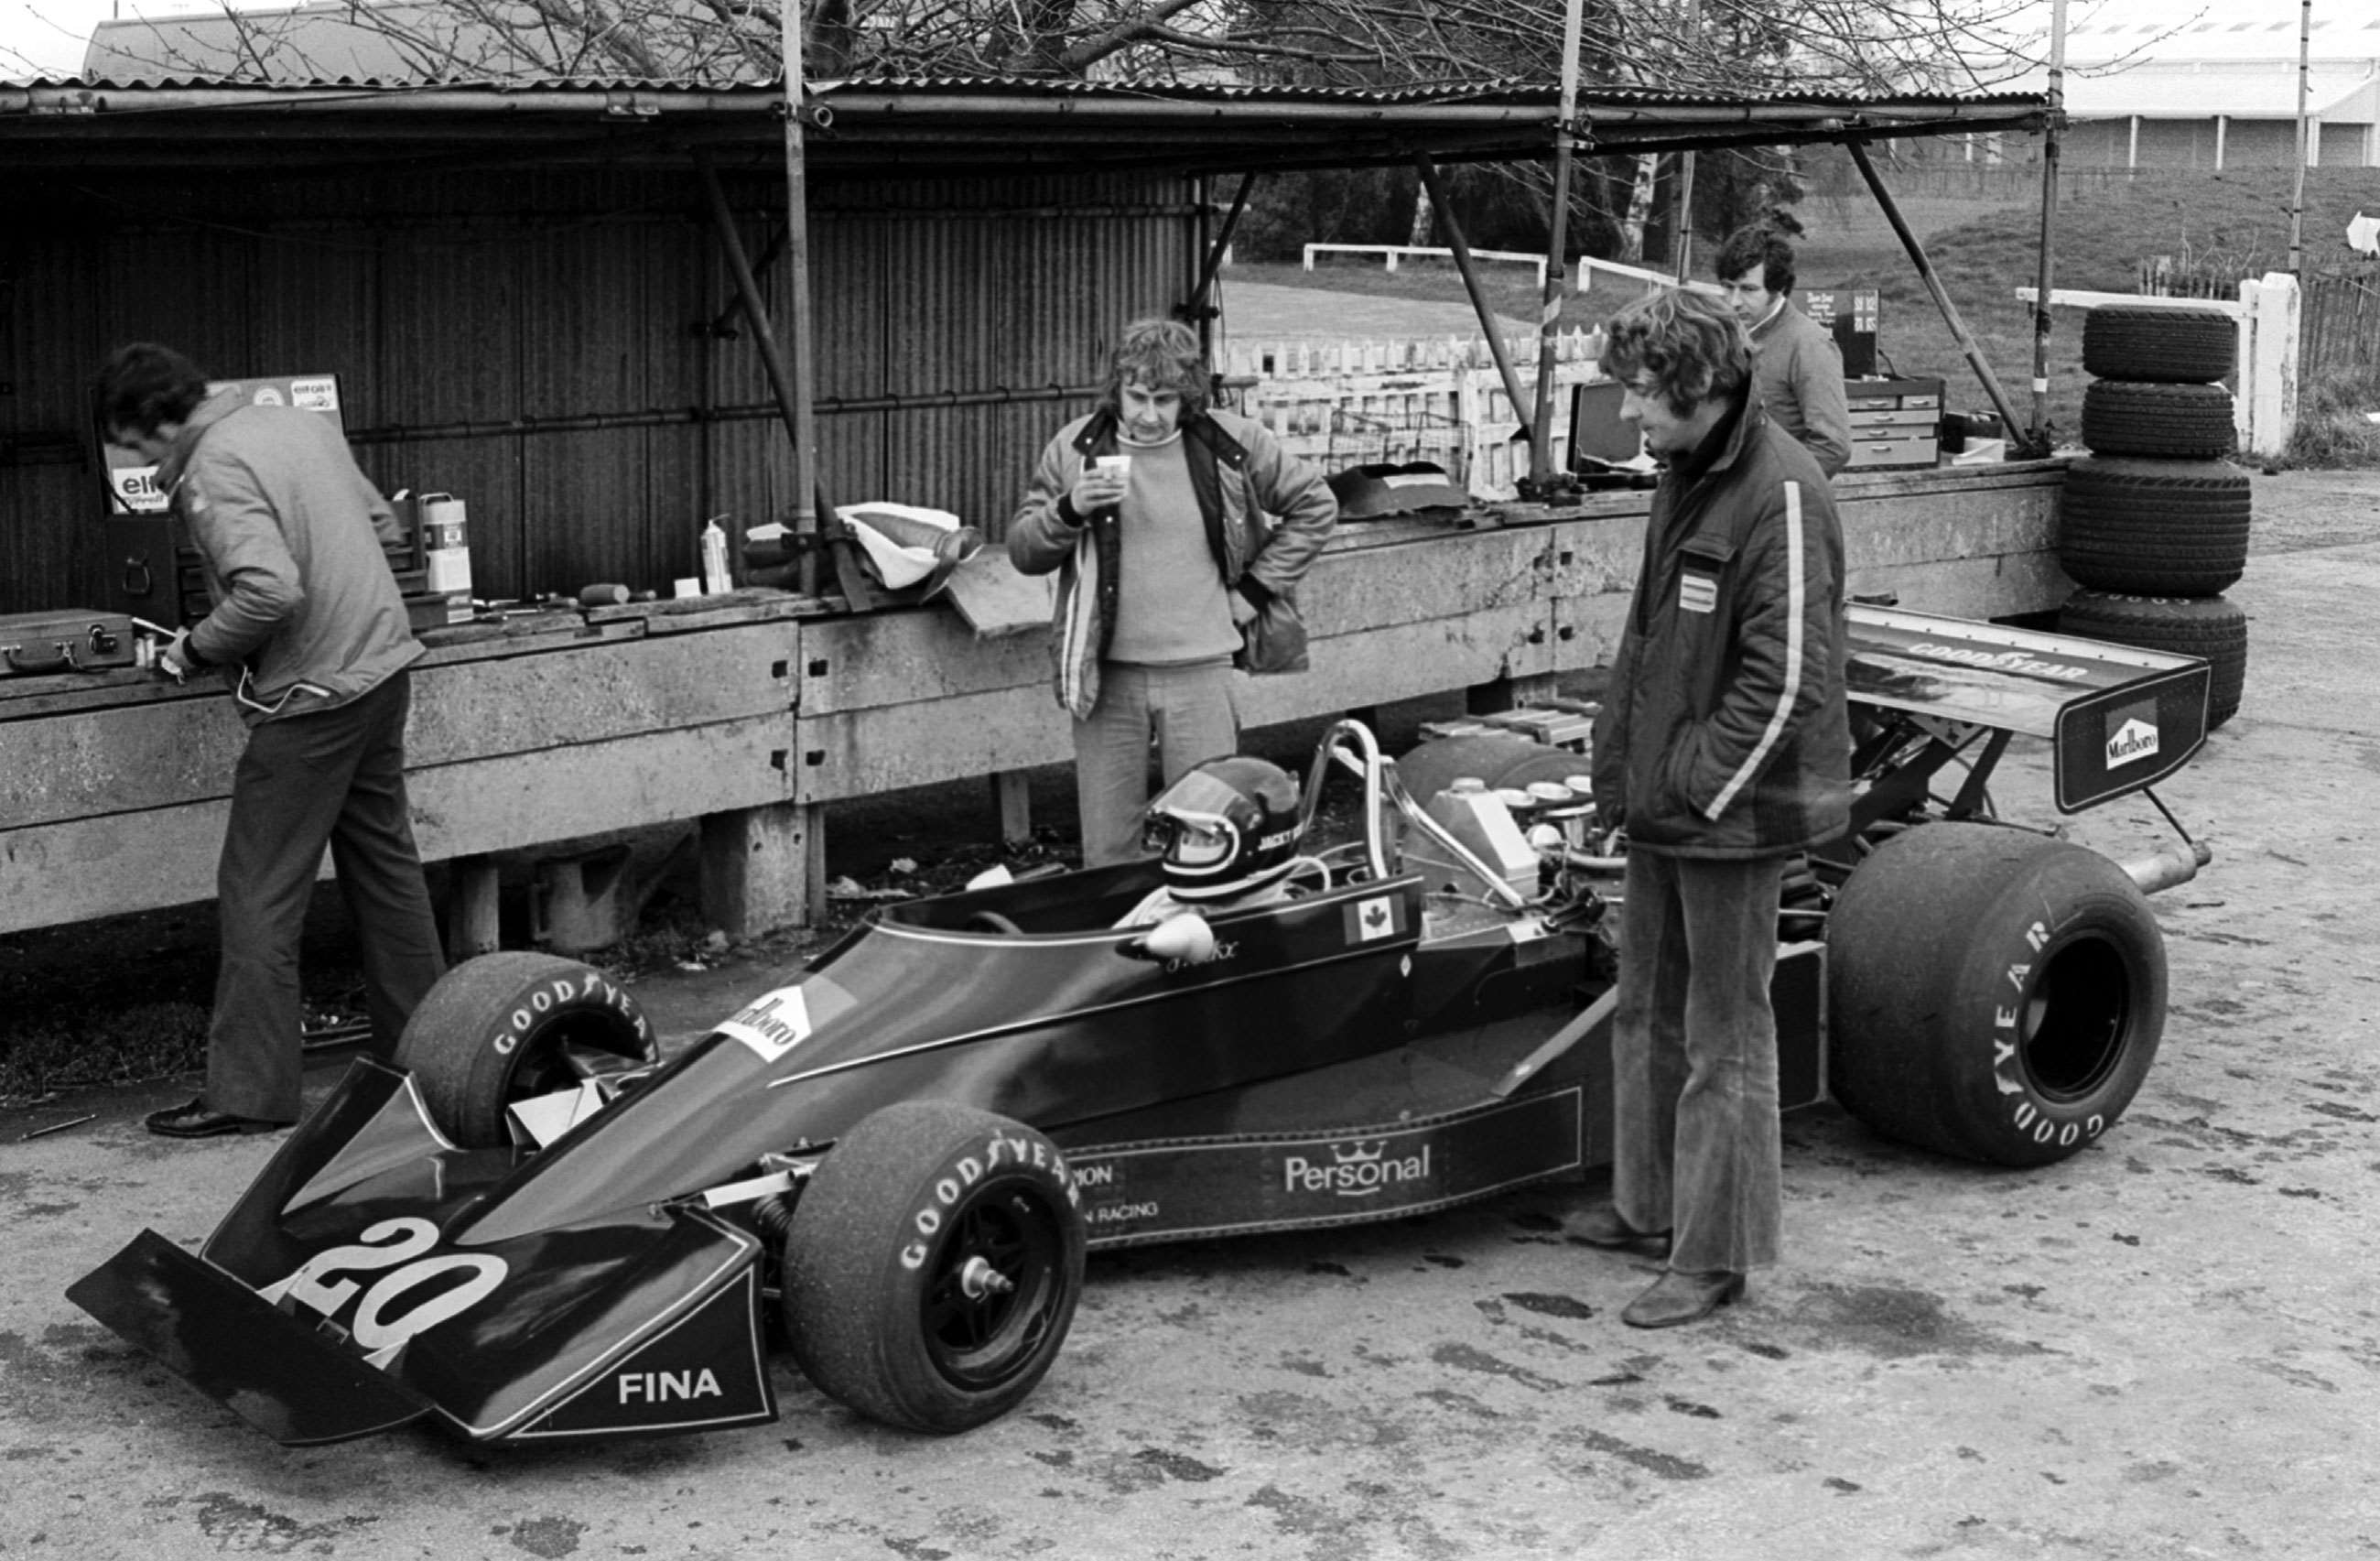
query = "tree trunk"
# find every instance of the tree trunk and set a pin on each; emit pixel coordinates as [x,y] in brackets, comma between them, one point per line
[1424,213]
[1640,208]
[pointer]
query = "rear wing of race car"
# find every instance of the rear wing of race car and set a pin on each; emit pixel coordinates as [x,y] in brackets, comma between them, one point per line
[2117,718]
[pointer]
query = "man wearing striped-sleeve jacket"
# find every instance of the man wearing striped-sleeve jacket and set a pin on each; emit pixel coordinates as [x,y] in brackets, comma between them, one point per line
[1723,750]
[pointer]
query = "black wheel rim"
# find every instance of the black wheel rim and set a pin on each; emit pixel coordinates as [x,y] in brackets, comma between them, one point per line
[997,1287]
[2078,1018]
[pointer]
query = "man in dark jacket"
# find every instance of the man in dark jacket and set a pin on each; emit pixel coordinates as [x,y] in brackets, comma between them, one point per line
[1723,749]
[309,633]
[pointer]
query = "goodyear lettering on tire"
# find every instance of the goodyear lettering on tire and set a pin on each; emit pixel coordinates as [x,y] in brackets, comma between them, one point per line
[594,989]
[2028,1117]
[962,1174]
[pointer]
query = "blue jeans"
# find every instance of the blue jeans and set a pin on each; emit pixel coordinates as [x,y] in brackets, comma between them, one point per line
[1190,712]
[1694,1053]
[333,776]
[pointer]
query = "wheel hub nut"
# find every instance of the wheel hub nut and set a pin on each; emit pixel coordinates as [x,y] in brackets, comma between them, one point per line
[978,1279]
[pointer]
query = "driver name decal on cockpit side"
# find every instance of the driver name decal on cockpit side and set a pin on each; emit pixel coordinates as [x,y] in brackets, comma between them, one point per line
[771,1025]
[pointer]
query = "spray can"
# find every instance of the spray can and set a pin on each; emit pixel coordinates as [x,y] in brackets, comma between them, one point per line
[715,578]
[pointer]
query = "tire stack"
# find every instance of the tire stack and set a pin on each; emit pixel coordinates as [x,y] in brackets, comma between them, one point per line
[2154,523]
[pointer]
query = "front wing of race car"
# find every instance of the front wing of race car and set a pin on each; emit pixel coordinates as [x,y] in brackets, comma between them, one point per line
[345,1294]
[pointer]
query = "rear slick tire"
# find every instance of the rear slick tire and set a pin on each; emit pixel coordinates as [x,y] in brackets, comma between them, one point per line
[933,1266]
[2165,343]
[2212,627]
[1994,994]
[2181,422]
[2160,527]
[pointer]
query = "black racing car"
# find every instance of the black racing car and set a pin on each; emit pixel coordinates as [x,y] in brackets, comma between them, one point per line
[534,1229]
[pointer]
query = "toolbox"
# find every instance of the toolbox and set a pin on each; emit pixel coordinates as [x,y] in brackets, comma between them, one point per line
[66,639]
[1894,422]
[152,574]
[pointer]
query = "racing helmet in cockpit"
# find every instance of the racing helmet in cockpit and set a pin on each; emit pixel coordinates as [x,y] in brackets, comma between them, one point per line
[1228,828]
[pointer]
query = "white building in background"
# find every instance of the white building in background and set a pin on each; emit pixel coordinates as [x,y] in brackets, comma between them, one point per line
[2213,84]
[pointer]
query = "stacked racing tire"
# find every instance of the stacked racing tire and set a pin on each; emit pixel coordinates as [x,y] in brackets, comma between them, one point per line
[2154,523]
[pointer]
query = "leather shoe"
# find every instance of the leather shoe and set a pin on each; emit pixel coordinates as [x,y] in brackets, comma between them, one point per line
[198,1120]
[1681,1295]
[1602,1226]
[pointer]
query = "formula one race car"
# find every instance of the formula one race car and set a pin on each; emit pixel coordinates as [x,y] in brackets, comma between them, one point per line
[535,1229]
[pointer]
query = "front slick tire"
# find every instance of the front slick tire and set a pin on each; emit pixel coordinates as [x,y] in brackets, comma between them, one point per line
[512,1025]
[932,1266]
[1995,996]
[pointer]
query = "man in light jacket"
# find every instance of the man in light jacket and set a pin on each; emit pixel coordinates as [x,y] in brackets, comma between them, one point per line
[1179,532]
[1723,749]
[310,634]
[1798,366]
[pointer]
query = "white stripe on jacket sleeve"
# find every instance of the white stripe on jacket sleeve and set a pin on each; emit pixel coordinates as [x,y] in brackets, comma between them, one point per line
[1797,593]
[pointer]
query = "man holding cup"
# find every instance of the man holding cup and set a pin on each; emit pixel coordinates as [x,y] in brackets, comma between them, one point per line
[1178,532]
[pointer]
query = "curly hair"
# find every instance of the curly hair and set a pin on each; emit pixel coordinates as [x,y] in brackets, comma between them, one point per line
[1748,246]
[144,386]
[1686,347]
[1162,355]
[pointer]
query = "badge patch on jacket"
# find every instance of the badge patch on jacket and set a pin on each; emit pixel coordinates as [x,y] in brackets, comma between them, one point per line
[1699,564]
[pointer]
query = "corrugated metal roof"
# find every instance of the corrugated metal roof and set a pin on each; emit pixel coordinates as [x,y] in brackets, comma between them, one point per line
[1515,89]
[920,126]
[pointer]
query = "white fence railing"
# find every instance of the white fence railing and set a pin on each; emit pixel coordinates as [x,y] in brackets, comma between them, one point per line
[1398,251]
[1358,403]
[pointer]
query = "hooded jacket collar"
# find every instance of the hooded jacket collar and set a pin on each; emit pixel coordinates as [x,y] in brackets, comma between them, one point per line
[208,413]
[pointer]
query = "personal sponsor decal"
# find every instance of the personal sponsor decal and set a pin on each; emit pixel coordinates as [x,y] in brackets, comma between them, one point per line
[1697,594]
[265,395]
[1355,1170]
[1144,1192]
[1373,917]
[2132,733]
[2000,661]
[771,1025]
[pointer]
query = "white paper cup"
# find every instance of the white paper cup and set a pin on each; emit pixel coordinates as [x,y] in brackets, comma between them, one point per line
[1117,467]
[685,586]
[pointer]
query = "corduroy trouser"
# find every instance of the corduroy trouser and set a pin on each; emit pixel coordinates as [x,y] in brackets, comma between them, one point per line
[334,776]
[1189,709]
[1697,1150]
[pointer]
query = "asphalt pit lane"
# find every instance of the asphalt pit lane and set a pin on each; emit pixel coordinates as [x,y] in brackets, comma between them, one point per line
[1549,1305]
[1177,1465]
[1892,1321]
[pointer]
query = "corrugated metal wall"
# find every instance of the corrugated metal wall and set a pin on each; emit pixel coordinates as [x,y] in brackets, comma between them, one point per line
[455,308]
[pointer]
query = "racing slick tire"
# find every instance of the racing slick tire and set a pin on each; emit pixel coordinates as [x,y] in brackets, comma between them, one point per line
[512,1025]
[2213,627]
[2184,421]
[1994,995]
[2159,343]
[933,1266]
[2158,527]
